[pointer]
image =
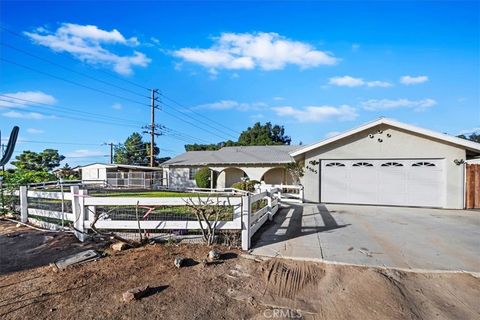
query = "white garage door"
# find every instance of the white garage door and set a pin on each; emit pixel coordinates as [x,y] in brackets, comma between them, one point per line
[385,182]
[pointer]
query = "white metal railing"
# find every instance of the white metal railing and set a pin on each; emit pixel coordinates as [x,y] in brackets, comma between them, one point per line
[83,207]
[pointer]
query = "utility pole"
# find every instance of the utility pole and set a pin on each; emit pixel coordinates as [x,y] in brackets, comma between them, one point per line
[111,144]
[152,128]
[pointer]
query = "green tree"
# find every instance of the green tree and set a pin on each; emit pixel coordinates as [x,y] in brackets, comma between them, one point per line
[258,135]
[135,151]
[475,137]
[261,135]
[46,160]
[66,172]
[209,147]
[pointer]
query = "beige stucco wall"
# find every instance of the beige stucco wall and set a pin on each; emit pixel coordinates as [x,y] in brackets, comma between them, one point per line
[253,173]
[401,145]
[94,173]
[178,178]
[277,176]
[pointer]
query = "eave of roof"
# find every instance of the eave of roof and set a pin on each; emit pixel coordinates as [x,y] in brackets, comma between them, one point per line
[469,145]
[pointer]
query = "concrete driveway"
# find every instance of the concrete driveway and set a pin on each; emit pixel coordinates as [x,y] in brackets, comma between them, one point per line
[413,238]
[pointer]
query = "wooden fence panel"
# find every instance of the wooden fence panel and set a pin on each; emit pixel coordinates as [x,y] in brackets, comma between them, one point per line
[472,196]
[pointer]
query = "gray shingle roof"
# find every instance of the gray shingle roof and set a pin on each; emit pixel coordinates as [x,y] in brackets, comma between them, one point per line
[235,155]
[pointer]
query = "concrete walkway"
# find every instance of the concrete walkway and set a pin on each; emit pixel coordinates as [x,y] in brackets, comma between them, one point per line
[416,238]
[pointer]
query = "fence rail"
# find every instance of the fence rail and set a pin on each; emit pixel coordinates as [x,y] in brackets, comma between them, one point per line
[287,193]
[248,211]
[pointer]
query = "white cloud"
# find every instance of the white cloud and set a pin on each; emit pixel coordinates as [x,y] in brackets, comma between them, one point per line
[267,51]
[232,104]
[385,104]
[332,134]
[317,113]
[84,42]
[35,131]
[117,106]
[355,47]
[25,98]
[348,81]
[278,98]
[85,153]
[383,84]
[409,80]
[25,115]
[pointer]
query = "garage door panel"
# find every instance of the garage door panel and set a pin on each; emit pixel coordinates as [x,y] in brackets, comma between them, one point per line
[408,182]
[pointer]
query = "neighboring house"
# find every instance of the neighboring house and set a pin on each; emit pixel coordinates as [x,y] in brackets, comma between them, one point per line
[121,175]
[230,165]
[384,162]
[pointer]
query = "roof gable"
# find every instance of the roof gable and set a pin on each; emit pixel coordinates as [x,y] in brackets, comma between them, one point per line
[468,145]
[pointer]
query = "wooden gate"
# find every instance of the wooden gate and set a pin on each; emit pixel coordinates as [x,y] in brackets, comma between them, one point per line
[473,186]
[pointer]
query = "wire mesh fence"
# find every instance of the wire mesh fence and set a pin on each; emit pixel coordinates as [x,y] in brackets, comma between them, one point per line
[50,204]
[9,202]
[158,213]
[148,180]
[230,238]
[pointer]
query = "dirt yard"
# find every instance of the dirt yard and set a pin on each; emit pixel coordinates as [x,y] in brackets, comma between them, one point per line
[237,288]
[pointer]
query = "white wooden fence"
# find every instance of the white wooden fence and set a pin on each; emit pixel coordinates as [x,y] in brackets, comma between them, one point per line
[83,208]
[287,193]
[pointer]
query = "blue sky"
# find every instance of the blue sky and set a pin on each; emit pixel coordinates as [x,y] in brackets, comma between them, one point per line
[315,67]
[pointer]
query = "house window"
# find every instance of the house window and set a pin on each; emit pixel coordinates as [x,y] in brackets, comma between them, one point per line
[423,164]
[335,164]
[191,173]
[392,164]
[362,164]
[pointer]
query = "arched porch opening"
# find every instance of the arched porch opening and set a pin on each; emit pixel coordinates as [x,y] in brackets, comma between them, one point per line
[228,176]
[278,175]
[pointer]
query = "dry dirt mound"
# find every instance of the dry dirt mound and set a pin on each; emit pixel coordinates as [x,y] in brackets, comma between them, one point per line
[318,291]
[236,288]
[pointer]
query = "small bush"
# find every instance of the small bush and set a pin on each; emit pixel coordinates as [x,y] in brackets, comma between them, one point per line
[248,185]
[202,178]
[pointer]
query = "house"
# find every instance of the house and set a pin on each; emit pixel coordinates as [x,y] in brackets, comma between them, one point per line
[121,175]
[384,162]
[230,165]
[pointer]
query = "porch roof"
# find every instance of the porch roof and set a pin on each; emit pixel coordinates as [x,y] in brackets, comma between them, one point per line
[235,156]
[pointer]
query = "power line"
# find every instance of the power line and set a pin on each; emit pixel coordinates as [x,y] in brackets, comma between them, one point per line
[71,82]
[192,124]
[169,131]
[198,113]
[55,107]
[105,72]
[202,122]
[71,70]
[114,85]
[60,143]
[77,118]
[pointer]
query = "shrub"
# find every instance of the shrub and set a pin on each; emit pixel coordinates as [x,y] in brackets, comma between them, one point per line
[202,178]
[248,185]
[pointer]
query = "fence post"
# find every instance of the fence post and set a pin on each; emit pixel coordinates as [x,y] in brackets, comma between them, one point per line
[246,222]
[23,204]
[301,194]
[269,204]
[78,212]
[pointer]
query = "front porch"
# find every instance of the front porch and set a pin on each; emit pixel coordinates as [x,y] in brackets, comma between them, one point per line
[225,177]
